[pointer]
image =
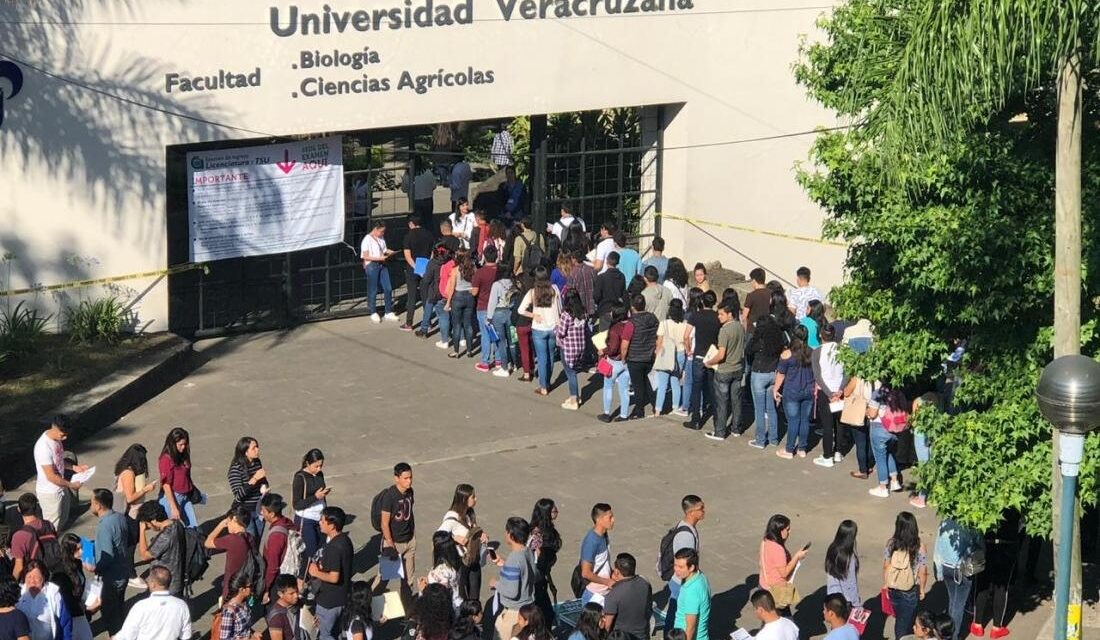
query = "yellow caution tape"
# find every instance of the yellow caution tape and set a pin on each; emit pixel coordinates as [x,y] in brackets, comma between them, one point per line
[764,232]
[87,283]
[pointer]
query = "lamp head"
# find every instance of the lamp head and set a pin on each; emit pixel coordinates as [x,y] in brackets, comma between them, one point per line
[1069,394]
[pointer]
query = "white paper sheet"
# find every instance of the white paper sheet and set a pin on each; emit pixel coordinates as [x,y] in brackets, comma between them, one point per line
[84,476]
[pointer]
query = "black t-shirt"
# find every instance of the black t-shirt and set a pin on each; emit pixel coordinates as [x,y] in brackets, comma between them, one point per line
[400,508]
[451,242]
[336,556]
[419,242]
[14,625]
[706,330]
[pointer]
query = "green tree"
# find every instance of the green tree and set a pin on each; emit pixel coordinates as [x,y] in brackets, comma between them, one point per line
[951,240]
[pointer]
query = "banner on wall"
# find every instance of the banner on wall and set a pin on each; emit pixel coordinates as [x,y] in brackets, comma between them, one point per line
[253,201]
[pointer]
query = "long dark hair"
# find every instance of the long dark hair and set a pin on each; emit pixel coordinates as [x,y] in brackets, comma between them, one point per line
[676,310]
[842,551]
[774,531]
[536,628]
[175,435]
[240,453]
[466,626]
[730,296]
[135,458]
[465,265]
[358,607]
[800,349]
[71,566]
[573,304]
[906,536]
[460,504]
[542,517]
[434,612]
[816,310]
[695,300]
[444,550]
[313,455]
[588,623]
[677,272]
[938,624]
[544,292]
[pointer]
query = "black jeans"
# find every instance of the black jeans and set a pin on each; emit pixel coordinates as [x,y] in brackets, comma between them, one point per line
[639,379]
[112,605]
[412,288]
[830,424]
[727,402]
[991,600]
[424,209]
[862,437]
[702,390]
[471,577]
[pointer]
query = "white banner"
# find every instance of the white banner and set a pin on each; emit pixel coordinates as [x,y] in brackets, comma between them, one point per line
[254,201]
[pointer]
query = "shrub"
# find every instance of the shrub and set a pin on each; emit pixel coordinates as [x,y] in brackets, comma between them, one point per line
[96,321]
[20,331]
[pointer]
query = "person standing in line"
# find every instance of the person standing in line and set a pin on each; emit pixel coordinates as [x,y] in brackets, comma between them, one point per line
[525,236]
[1002,548]
[518,576]
[657,258]
[356,619]
[607,289]
[693,602]
[954,545]
[178,492]
[544,542]
[481,288]
[775,626]
[500,151]
[498,312]
[398,522]
[463,223]
[374,253]
[656,295]
[25,545]
[161,616]
[461,303]
[447,568]
[628,607]
[814,320]
[686,537]
[604,246]
[676,280]
[43,605]
[461,174]
[447,235]
[905,572]
[236,618]
[443,264]
[757,302]
[114,559]
[570,335]
[619,333]
[308,499]
[567,227]
[888,414]
[702,332]
[630,261]
[524,344]
[728,365]
[13,622]
[830,379]
[542,304]
[237,545]
[50,486]
[71,583]
[417,252]
[794,387]
[166,550]
[596,554]
[275,540]
[842,565]
[641,350]
[248,482]
[334,572]
[132,488]
[836,612]
[799,297]
[582,279]
[671,358]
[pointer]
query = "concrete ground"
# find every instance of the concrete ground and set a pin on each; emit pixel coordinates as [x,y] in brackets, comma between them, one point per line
[370,396]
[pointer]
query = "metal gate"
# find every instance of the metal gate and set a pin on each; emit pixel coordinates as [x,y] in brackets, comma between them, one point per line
[277,291]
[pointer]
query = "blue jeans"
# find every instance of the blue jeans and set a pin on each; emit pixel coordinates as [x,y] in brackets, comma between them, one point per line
[462,319]
[958,592]
[767,420]
[905,610]
[326,622]
[620,378]
[502,322]
[311,537]
[187,510]
[426,317]
[444,318]
[486,344]
[571,378]
[920,444]
[688,383]
[863,445]
[885,465]
[664,379]
[544,353]
[377,274]
[798,405]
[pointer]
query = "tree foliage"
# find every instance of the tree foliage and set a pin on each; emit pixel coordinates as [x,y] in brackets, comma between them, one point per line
[955,243]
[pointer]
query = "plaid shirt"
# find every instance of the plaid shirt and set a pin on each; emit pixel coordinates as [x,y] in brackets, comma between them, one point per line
[583,278]
[501,150]
[570,333]
[236,622]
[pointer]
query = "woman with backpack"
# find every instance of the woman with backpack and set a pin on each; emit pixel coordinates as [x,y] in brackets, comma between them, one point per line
[542,304]
[235,618]
[248,481]
[905,572]
[461,303]
[308,493]
[179,495]
[572,338]
[460,522]
[842,564]
[545,542]
[613,366]
[499,313]
[280,537]
[794,387]
[889,416]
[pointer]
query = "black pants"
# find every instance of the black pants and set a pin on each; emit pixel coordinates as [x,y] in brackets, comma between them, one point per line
[830,425]
[112,605]
[424,209]
[470,577]
[991,600]
[639,379]
[412,295]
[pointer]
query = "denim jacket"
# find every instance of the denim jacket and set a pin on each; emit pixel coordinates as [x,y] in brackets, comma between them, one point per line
[954,543]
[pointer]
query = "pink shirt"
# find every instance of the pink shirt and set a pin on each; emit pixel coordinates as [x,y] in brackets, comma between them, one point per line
[773,562]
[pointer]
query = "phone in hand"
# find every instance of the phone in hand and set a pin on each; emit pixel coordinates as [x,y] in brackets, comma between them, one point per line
[491,554]
[806,547]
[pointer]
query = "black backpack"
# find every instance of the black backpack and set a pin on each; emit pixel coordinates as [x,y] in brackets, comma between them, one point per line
[254,568]
[193,557]
[376,510]
[667,555]
[46,547]
[534,256]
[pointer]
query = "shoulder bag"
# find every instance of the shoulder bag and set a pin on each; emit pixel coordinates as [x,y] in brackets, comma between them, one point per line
[784,593]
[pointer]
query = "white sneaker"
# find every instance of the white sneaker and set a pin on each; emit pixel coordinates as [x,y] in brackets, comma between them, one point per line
[570,404]
[680,412]
[391,316]
[822,461]
[895,485]
[375,318]
[838,458]
[879,492]
[501,372]
[137,583]
[442,344]
[462,343]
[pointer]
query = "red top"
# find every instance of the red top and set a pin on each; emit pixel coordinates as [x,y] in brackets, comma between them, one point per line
[274,550]
[236,547]
[615,335]
[176,476]
[484,278]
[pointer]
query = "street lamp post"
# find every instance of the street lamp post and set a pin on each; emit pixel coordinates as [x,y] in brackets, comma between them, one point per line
[1069,397]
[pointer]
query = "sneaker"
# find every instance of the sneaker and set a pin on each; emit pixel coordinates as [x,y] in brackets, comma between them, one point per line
[375,318]
[462,343]
[405,327]
[482,367]
[570,404]
[496,364]
[822,461]
[691,424]
[859,475]
[442,344]
[680,412]
[801,454]
[895,485]
[137,583]
[838,458]
[501,372]
[735,433]
[603,417]
[420,333]
[998,632]
[710,435]
[391,317]
[918,502]
[783,453]
[879,492]
[756,445]
[977,629]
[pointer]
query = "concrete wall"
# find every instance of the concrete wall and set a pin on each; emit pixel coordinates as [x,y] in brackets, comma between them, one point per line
[83,173]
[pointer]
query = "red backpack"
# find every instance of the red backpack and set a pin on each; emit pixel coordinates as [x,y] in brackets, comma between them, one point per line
[445,276]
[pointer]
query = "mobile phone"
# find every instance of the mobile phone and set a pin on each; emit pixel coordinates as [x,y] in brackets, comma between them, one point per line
[491,554]
[807,546]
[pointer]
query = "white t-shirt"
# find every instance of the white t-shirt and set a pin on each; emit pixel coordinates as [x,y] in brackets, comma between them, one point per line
[606,246]
[677,294]
[781,629]
[559,227]
[548,316]
[454,526]
[464,227]
[48,452]
[373,247]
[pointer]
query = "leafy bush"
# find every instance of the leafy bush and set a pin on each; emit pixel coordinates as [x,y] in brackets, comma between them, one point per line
[19,332]
[96,321]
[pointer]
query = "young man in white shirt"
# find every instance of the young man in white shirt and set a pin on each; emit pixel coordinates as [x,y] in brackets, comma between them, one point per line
[568,220]
[801,295]
[51,487]
[605,246]
[374,253]
[161,616]
[775,627]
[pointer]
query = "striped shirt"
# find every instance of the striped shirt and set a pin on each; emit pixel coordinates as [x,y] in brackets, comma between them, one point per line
[244,494]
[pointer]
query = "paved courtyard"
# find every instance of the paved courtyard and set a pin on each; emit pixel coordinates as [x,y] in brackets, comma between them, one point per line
[369,396]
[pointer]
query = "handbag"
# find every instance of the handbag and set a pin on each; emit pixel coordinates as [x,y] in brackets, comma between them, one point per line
[604,367]
[785,594]
[973,563]
[854,413]
[216,626]
[884,602]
